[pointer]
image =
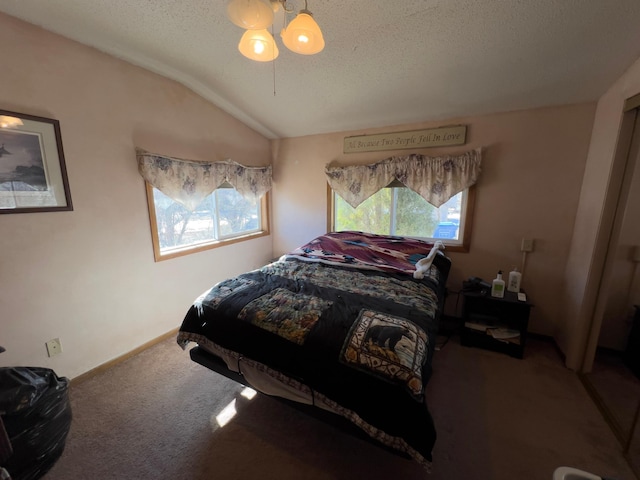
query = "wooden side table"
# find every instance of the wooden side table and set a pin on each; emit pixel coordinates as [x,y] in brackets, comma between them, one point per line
[499,324]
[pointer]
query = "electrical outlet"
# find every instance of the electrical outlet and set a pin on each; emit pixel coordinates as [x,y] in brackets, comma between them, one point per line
[527,245]
[54,347]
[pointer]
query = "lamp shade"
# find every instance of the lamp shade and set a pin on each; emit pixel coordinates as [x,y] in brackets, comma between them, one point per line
[258,45]
[250,14]
[303,35]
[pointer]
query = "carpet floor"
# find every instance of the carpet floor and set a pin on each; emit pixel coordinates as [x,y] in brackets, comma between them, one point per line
[498,418]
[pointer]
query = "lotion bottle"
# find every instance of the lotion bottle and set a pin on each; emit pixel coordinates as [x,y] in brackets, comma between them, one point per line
[515,278]
[497,286]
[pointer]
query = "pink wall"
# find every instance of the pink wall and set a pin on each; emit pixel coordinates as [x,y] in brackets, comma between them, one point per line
[533,163]
[88,276]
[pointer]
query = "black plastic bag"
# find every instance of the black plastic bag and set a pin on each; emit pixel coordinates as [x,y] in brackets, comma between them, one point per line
[35,409]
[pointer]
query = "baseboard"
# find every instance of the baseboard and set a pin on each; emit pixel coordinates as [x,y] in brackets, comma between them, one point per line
[112,363]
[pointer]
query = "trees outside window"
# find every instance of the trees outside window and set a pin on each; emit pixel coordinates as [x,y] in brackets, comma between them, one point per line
[400,211]
[222,217]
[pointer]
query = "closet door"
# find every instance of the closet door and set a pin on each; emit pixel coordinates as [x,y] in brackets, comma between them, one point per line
[613,385]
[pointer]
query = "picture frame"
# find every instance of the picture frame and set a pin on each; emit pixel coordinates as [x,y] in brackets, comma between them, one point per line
[33,173]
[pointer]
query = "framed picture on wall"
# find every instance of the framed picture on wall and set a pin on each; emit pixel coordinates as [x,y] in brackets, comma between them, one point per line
[33,175]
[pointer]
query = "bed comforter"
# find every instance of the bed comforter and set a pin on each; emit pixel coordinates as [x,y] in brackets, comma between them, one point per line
[359,338]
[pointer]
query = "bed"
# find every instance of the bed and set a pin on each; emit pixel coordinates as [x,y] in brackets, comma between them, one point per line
[344,327]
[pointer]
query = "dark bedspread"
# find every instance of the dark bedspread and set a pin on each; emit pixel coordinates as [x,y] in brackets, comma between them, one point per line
[360,339]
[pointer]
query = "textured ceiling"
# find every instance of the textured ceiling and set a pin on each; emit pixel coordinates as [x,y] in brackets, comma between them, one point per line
[386,62]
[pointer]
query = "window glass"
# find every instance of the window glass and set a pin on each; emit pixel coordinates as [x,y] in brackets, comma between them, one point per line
[235,214]
[401,211]
[223,215]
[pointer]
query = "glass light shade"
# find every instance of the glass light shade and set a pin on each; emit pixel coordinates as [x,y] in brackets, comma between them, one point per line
[250,14]
[303,35]
[9,122]
[258,45]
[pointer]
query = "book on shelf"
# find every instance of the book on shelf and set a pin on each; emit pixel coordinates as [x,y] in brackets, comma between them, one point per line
[481,322]
[502,334]
[505,335]
[481,327]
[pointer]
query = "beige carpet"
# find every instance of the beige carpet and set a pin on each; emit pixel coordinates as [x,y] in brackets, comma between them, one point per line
[154,417]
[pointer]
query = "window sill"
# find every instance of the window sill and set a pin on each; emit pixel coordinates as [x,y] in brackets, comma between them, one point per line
[201,247]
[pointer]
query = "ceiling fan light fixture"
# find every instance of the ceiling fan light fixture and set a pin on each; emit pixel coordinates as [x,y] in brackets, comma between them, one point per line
[250,14]
[303,35]
[258,45]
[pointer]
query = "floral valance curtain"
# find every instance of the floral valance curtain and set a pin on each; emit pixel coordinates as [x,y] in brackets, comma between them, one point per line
[189,182]
[436,179]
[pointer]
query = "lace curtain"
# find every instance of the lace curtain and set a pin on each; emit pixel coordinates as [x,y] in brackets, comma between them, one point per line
[189,182]
[436,179]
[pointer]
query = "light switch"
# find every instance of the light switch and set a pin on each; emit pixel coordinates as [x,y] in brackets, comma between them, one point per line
[527,245]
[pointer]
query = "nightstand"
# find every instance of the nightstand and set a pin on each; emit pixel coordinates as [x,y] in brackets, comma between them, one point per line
[498,324]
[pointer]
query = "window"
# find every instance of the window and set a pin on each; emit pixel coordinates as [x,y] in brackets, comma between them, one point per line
[223,217]
[398,210]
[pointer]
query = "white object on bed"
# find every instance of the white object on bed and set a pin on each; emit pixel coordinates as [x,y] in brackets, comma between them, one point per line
[570,473]
[424,264]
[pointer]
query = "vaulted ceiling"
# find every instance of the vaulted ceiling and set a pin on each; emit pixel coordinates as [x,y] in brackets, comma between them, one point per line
[386,62]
